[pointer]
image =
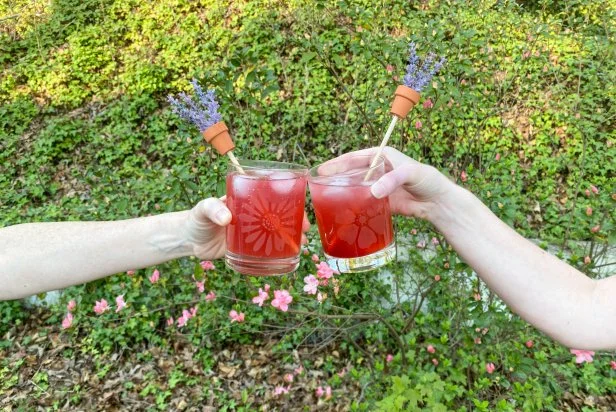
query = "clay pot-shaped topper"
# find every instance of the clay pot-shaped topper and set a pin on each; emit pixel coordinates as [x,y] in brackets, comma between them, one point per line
[218,136]
[404,100]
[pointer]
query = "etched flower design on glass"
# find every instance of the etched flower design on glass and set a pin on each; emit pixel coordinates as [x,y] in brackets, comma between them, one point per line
[268,226]
[361,229]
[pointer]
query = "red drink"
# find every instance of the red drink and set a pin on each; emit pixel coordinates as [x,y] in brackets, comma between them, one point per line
[267,205]
[352,222]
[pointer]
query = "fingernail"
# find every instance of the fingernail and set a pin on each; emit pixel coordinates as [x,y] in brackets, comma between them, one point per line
[377,190]
[223,216]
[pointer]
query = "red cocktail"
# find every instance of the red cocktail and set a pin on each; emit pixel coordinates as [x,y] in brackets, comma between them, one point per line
[267,204]
[356,228]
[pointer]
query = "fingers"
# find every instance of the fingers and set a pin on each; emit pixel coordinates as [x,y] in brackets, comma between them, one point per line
[348,161]
[214,210]
[407,174]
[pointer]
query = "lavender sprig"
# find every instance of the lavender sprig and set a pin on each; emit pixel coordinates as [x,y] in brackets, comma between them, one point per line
[203,112]
[419,75]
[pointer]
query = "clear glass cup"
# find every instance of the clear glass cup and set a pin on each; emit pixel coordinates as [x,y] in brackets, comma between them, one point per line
[355,227]
[267,201]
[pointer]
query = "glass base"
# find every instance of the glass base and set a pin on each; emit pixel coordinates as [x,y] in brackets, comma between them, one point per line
[258,266]
[363,263]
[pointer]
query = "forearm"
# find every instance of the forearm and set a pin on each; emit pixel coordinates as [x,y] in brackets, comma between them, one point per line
[45,256]
[545,291]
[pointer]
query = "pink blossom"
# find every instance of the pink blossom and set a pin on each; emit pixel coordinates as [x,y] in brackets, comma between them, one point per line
[182,320]
[437,278]
[589,211]
[211,296]
[170,321]
[582,356]
[343,371]
[193,311]
[328,393]
[529,344]
[311,284]
[497,157]
[389,68]
[463,176]
[389,358]
[130,272]
[305,252]
[431,349]
[462,82]
[613,365]
[281,300]
[67,322]
[319,392]
[428,104]
[477,341]
[477,330]
[120,303]
[266,287]
[321,297]
[490,367]
[155,276]
[299,370]
[236,317]
[594,189]
[421,244]
[261,297]
[207,265]
[435,361]
[587,260]
[413,232]
[324,271]
[418,125]
[587,192]
[200,286]
[315,258]
[101,306]
[435,241]
[477,296]
[71,305]
[279,390]
[595,229]
[288,377]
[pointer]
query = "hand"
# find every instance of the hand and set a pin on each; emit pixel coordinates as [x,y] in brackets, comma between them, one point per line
[414,189]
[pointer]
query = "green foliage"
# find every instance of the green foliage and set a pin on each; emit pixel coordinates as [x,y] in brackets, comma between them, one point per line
[524,108]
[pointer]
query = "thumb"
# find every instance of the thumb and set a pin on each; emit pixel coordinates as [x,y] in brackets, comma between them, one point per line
[214,210]
[407,174]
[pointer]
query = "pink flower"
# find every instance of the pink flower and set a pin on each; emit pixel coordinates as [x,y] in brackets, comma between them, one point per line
[595,229]
[462,82]
[315,258]
[299,370]
[428,104]
[497,157]
[431,349]
[281,300]
[324,271]
[435,361]
[613,365]
[266,287]
[155,276]
[321,297]
[529,344]
[389,358]
[193,311]
[343,371]
[210,297]
[582,356]
[236,317]
[587,192]
[418,125]
[67,322]
[319,392]
[421,244]
[435,241]
[490,367]
[594,189]
[328,392]
[200,286]
[437,278]
[101,306]
[477,341]
[182,320]
[130,272]
[389,68]
[305,252]
[279,390]
[207,265]
[587,260]
[589,211]
[413,232]
[261,297]
[463,176]
[170,321]
[477,296]
[71,305]
[311,284]
[288,377]
[120,303]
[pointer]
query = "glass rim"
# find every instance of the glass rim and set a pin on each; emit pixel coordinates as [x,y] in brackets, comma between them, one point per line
[313,176]
[250,164]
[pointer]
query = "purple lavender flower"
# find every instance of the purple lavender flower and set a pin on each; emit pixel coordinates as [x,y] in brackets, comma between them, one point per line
[419,75]
[203,112]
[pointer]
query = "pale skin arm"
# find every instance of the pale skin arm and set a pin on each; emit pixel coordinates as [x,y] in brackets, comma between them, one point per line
[561,301]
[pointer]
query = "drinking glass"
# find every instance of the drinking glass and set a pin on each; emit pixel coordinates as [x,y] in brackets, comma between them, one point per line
[356,228]
[267,202]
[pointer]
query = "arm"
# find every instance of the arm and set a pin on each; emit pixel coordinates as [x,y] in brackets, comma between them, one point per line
[37,257]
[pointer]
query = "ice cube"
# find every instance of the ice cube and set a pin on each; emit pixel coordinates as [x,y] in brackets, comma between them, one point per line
[282,182]
[339,193]
[242,186]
